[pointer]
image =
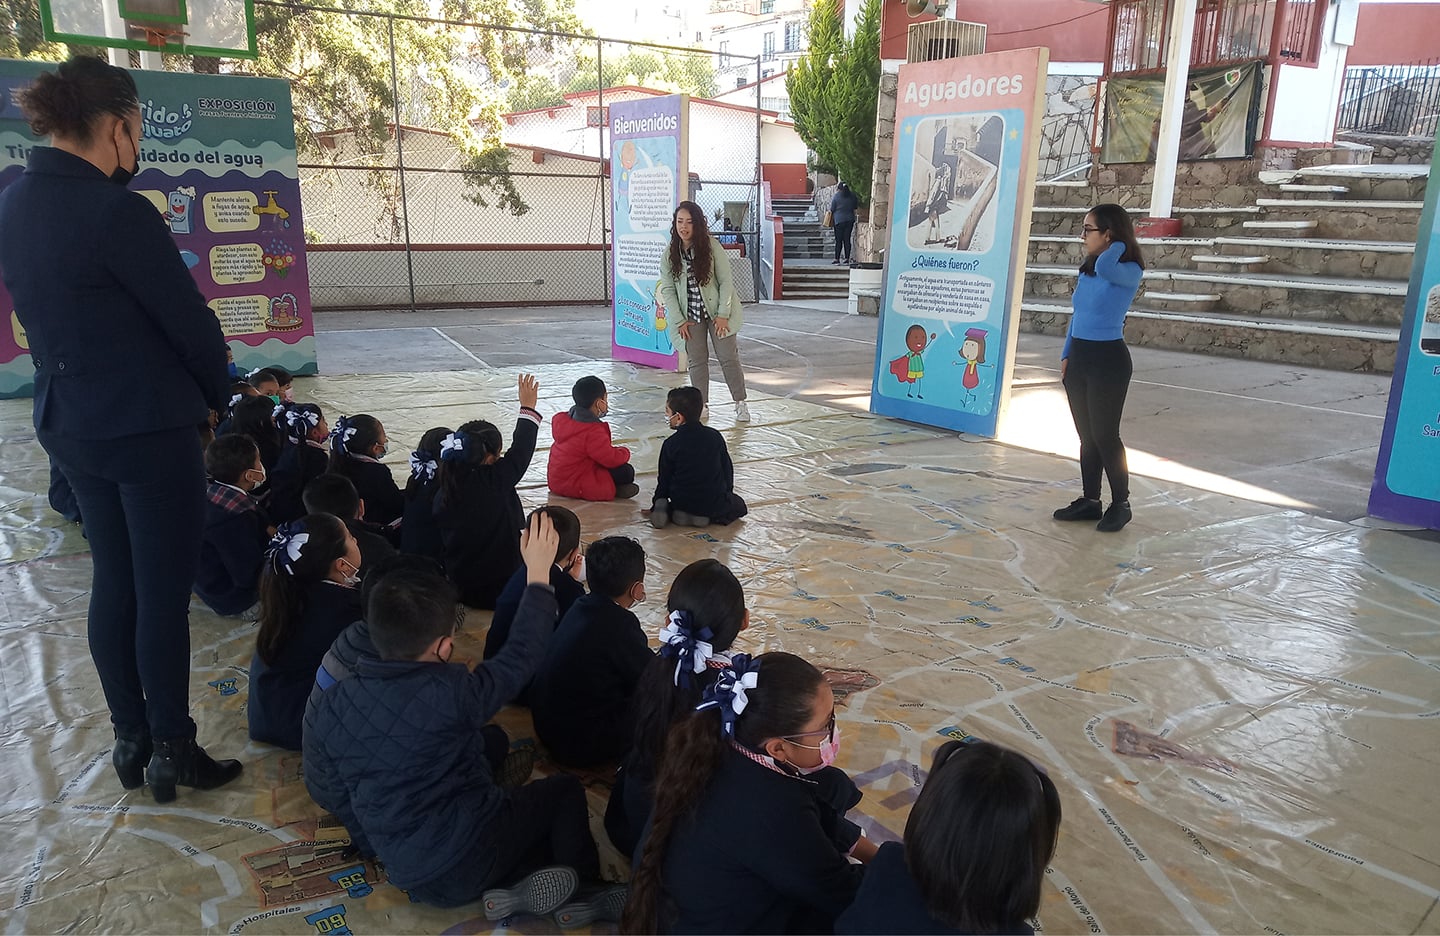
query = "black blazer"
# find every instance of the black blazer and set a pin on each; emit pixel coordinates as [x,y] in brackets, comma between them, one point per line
[696,474]
[103,295]
[889,901]
[298,465]
[384,503]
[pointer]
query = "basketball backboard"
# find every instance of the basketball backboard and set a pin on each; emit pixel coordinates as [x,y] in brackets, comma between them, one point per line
[224,28]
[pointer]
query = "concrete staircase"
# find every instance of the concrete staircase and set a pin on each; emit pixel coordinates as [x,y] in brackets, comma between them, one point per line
[809,248]
[1314,271]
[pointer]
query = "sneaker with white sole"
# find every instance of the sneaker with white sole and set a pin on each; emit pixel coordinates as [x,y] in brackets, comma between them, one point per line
[594,904]
[536,894]
[742,412]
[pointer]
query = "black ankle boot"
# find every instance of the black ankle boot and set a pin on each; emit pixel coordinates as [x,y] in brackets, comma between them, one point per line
[185,763]
[131,753]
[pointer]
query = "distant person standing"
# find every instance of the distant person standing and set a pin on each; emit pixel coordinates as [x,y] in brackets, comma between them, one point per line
[102,298]
[842,212]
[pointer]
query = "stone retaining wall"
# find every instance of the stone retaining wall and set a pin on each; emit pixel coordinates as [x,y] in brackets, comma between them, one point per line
[1409,151]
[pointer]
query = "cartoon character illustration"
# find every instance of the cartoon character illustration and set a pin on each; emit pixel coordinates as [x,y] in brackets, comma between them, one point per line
[909,368]
[972,353]
[662,324]
[278,256]
[284,313]
[278,216]
[177,209]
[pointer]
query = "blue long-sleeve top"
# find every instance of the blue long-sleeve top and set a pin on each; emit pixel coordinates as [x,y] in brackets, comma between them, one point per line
[1102,299]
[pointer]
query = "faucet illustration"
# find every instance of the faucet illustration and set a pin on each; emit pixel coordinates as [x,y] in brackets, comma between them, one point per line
[272,209]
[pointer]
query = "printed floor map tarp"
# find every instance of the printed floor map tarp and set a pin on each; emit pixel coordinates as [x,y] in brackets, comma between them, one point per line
[1238,703]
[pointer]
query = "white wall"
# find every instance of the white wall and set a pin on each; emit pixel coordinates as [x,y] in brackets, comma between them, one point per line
[1307,100]
[779,143]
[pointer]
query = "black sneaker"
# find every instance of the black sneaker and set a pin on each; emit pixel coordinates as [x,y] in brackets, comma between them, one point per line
[626,491]
[1081,508]
[604,903]
[514,771]
[536,894]
[1115,517]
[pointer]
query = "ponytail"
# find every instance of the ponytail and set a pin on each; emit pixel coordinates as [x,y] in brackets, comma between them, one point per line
[463,450]
[299,555]
[352,435]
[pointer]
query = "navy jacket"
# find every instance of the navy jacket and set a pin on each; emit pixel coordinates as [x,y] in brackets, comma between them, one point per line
[384,504]
[339,662]
[299,464]
[581,695]
[420,530]
[567,590]
[696,473]
[890,902]
[481,525]
[372,542]
[395,752]
[232,553]
[278,690]
[755,856]
[103,295]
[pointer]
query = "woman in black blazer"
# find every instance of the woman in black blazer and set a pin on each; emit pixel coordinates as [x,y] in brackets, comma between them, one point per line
[102,292]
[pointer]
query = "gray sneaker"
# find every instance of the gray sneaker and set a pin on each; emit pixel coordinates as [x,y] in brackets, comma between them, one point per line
[605,903]
[660,513]
[537,894]
[692,520]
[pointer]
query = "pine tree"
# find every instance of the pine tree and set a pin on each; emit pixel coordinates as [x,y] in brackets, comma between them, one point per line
[834,91]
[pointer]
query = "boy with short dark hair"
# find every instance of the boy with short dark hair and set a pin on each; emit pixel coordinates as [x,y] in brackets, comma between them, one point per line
[336,494]
[583,461]
[232,549]
[696,483]
[396,752]
[566,577]
[582,693]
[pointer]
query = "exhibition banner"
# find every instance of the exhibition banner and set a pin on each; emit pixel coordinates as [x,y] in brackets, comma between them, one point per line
[1407,473]
[1219,120]
[967,134]
[648,175]
[217,160]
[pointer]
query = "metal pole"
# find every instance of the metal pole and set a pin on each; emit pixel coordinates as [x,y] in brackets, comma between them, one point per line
[758,221]
[400,163]
[607,185]
[1177,85]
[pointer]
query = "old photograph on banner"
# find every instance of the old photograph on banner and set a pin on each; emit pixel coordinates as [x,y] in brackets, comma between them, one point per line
[217,160]
[1219,121]
[966,133]
[1407,473]
[648,169]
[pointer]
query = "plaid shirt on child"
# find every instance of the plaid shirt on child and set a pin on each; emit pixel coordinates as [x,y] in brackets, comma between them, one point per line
[694,301]
[232,499]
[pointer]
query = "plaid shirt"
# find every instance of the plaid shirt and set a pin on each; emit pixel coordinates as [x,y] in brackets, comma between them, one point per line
[694,301]
[231,498]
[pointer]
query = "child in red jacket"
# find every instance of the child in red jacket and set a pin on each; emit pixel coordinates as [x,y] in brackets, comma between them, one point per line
[583,462]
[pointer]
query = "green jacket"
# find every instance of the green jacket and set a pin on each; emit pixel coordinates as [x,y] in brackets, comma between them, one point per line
[719,294]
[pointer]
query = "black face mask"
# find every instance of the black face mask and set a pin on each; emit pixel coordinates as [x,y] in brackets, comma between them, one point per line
[122,176]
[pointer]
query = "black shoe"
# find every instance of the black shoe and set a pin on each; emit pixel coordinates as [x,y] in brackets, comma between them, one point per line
[185,763]
[131,753]
[660,513]
[1081,508]
[605,903]
[625,491]
[514,771]
[1115,518]
[537,894]
[684,519]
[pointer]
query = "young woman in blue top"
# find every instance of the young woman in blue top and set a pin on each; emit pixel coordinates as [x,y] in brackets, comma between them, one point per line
[1095,365]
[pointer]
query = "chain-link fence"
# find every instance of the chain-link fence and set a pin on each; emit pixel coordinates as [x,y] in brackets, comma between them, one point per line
[407,206]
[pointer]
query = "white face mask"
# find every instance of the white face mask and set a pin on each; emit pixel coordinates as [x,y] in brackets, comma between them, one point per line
[351,578]
[261,470]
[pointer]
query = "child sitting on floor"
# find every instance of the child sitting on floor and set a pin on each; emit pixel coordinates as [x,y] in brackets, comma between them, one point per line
[227,577]
[239,390]
[334,494]
[581,697]
[696,484]
[307,597]
[266,382]
[396,752]
[303,458]
[476,506]
[975,850]
[357,443]
[583,462]
[566,576]
[419,532]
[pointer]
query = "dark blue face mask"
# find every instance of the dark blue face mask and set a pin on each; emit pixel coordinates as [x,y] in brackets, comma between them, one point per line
[122,176]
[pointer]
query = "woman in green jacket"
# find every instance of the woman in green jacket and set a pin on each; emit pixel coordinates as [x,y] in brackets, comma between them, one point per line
[697,289]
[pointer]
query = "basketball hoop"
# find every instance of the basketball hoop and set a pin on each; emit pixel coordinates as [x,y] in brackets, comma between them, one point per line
[159,35]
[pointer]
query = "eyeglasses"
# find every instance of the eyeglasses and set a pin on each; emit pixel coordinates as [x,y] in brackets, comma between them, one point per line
[828,731]
[1087,229]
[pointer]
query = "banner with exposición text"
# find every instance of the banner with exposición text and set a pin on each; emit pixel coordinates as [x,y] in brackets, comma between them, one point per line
[1219,119]
[967,133]
[1407,472]
[218,162]
[648,176]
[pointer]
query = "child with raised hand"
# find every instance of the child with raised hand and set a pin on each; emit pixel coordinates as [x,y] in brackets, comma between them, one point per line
[419,533]
[583,461]
[307,597]
[303,458]
[357,443]
[975,851]
[696,483]
[567,577]
[738,842]
[706,612]
[581,697]
[233,548]
[476,506]
[397,753]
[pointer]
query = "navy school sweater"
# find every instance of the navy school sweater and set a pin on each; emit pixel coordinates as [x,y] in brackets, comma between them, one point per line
[567,590]
[696,474]
[889,901]
[232,550]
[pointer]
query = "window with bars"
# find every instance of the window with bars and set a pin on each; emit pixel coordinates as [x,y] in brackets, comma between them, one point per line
[1226,31]
[794,36]
[768,48]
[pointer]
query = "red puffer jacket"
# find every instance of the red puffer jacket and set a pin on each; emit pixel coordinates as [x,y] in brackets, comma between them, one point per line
[581,458]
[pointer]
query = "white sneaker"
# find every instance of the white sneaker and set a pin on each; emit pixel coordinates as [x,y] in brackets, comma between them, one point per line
[742,412]
[705,414]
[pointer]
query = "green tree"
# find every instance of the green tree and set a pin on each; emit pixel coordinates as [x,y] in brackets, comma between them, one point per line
[661,69]
[834,92]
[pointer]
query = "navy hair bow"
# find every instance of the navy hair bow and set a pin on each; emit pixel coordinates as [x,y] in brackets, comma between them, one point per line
[690,649]
[453,446]
[286,545]
[423,464]
[341,434]
[728,694]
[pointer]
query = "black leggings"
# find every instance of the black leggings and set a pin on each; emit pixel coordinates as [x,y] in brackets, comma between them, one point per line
[844,230]
[1097,377]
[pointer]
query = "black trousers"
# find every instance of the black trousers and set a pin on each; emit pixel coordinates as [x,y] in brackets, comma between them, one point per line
[1097,378]
[546,822]
[143,500]
[625,474]
[843,232]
